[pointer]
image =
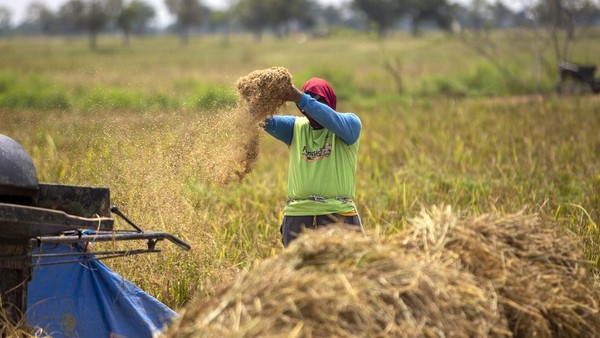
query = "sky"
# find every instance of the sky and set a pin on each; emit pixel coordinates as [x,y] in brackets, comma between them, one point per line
[163,18]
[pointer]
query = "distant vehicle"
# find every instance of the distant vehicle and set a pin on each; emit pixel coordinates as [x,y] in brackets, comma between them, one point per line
[577,79]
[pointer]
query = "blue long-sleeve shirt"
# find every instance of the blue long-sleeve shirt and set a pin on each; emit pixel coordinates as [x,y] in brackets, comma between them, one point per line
[346,126]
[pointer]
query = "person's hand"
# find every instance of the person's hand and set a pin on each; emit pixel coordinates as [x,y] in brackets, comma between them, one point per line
[293,94]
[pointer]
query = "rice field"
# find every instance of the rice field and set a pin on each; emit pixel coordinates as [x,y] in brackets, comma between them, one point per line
[153,123]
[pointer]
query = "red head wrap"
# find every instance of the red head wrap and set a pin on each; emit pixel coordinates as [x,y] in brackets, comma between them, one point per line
[322,88]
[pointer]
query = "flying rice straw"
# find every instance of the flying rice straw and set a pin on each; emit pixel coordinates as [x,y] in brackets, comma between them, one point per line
[229,151]
[262,94]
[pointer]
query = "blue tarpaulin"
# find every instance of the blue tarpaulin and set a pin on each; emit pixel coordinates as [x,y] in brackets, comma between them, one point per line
[87,299]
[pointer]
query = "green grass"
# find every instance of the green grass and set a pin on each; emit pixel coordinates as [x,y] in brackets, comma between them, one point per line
[134,118]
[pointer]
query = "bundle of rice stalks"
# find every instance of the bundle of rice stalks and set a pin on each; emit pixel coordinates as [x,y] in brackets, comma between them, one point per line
[542,278]
[338,283]
[265,90]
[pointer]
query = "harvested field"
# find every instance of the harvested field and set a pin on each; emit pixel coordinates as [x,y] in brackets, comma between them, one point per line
[445,276]
[138,120]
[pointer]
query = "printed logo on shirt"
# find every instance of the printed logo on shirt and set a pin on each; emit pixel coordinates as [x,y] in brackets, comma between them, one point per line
[315,155]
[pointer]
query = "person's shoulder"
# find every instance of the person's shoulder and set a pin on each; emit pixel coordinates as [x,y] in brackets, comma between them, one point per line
[301,120]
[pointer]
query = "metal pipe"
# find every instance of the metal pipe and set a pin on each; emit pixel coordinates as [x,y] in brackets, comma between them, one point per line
[113,236]
[116,210]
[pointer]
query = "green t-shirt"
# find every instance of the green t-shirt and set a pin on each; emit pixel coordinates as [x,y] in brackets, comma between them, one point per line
[322,172]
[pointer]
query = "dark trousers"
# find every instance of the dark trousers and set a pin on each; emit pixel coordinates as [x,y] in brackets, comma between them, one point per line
[292,226]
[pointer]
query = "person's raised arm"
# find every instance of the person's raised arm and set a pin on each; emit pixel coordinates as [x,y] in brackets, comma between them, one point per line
[345,125]
[280,127]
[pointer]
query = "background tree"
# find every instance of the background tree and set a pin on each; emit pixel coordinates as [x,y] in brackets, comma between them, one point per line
[41,19]
[5,17]
[134,17]
[283,12]
[307,13]
[503,16]
[258,15]
[480,14]
[480,40]
[383,13]
[564,21]
[72,14]
[220,22]
[253,15]
[189,13]
[90,16]
[439,11]
[331,15]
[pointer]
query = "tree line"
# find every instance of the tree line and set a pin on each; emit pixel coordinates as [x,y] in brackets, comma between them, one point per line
[281,17]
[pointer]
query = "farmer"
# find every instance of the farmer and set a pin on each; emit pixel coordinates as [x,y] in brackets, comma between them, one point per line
[323,148]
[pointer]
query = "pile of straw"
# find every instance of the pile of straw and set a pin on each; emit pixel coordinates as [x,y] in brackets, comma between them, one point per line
[338,283]
[541,276]
[444,276]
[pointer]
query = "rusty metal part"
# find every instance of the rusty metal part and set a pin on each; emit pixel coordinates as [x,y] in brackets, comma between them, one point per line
[76,200]
[15,274]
